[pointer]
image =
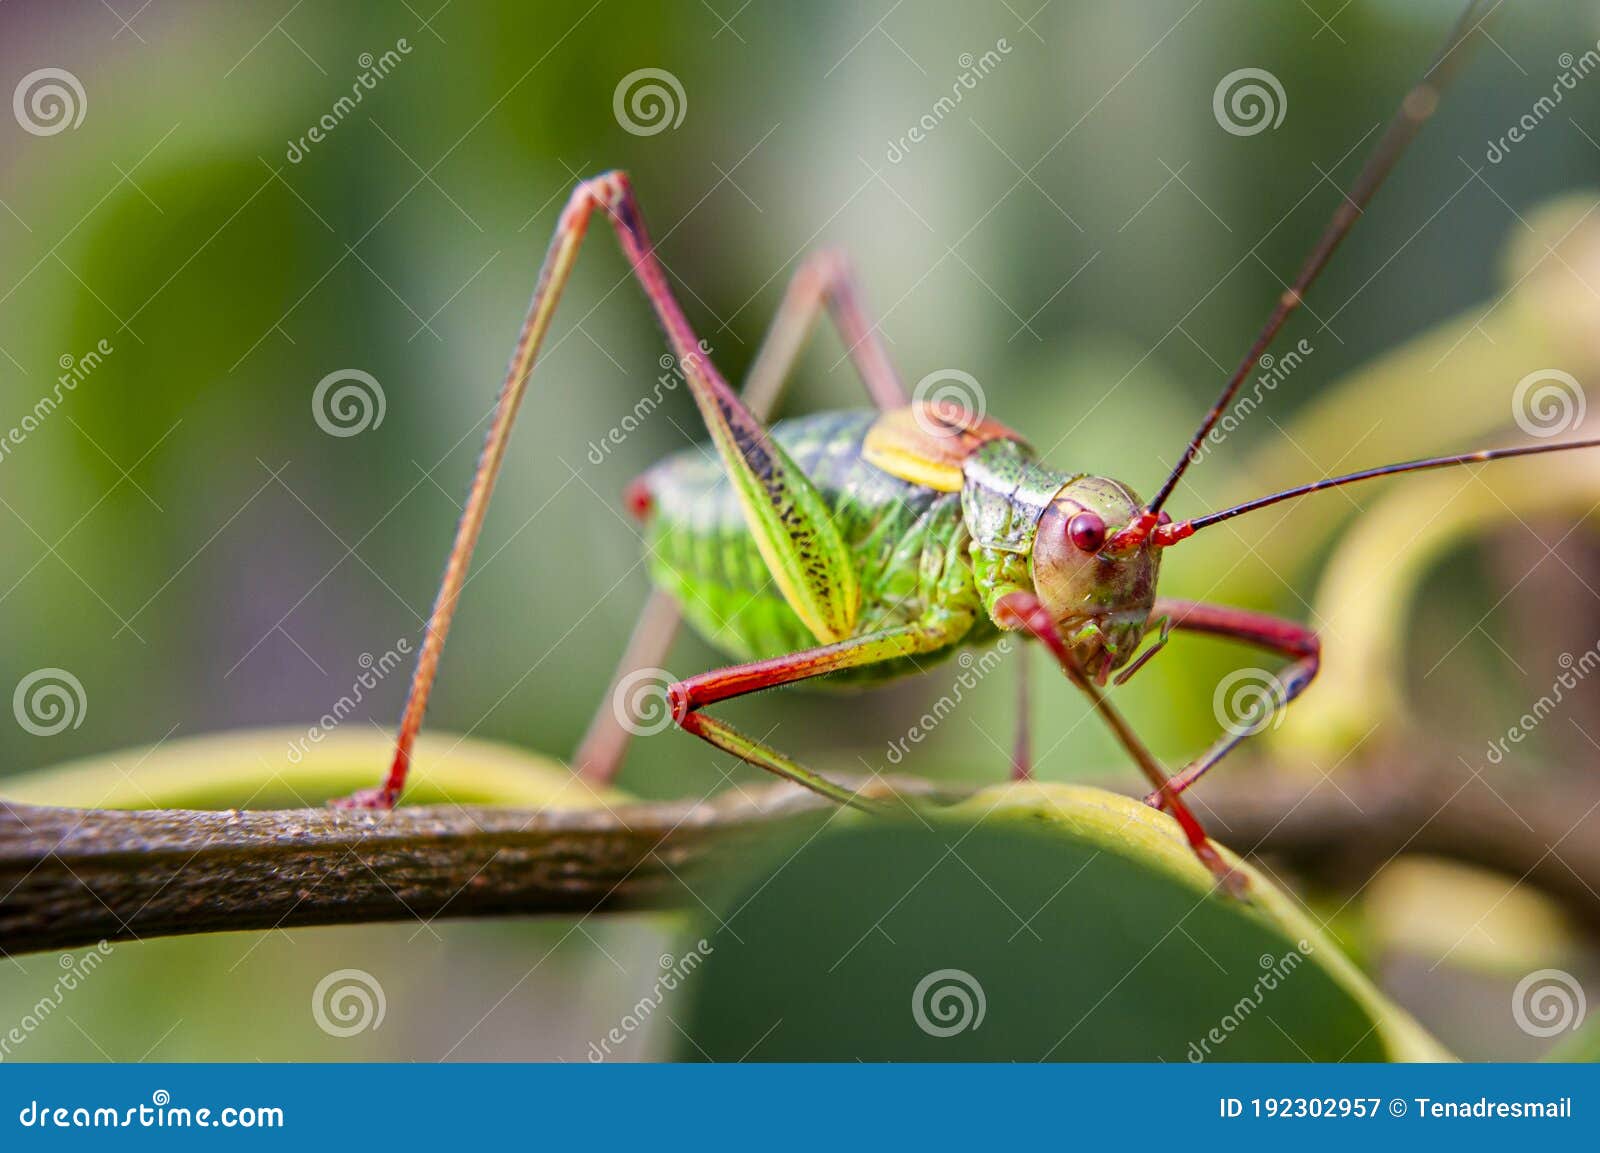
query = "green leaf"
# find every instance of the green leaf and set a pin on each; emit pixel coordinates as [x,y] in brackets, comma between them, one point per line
[1091,931]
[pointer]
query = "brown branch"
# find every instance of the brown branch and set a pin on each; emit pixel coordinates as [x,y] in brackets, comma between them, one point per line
[72,877]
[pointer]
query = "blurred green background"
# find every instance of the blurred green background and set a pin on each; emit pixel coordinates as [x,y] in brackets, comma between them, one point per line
[1079,234]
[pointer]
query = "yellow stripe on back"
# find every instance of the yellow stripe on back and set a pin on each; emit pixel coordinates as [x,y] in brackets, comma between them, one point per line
[928,443]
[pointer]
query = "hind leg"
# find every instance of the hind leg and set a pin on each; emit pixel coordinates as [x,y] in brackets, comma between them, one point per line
[824,279]
[788,519]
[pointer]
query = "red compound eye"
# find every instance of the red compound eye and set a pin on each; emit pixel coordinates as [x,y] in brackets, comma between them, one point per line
[1087,531]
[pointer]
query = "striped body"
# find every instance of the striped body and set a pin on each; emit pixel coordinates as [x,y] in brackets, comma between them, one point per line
[910,544]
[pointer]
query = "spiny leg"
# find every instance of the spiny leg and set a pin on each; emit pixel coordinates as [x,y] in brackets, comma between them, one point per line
[1275,634]
[788,517]
[1024,610]
[690,696]
[823,278]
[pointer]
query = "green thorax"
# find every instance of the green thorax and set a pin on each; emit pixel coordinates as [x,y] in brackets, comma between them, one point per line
[1005,491]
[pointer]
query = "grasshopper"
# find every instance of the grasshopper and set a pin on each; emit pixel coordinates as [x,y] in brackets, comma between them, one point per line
[864,546]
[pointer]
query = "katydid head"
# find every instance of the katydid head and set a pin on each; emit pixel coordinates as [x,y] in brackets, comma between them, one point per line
[1099,597]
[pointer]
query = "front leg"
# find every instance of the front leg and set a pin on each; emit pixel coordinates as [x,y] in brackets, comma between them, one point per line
[1274,634]
[1022,610]
[688,698]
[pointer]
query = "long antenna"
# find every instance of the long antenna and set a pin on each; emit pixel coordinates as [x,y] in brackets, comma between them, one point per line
[1413,113]
[1169,534]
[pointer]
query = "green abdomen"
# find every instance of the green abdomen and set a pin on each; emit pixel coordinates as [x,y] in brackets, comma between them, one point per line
[909,544]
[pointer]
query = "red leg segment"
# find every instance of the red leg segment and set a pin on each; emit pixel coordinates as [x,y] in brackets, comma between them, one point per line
[690,696]
[1274,634]
[1023,610]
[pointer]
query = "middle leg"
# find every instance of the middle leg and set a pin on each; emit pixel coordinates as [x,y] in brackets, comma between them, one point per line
[690,697]
[1274,634]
